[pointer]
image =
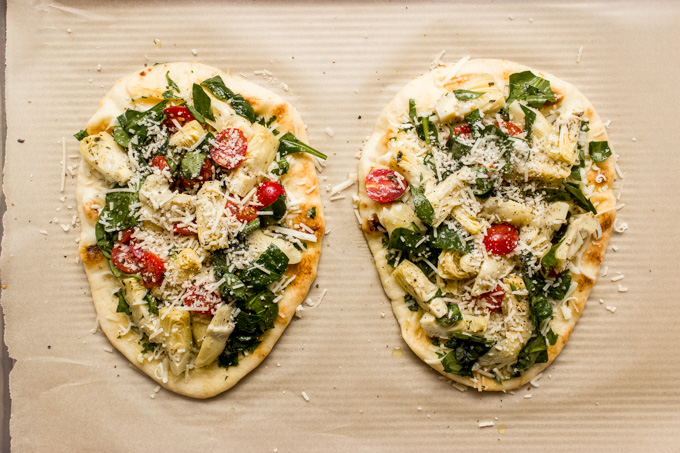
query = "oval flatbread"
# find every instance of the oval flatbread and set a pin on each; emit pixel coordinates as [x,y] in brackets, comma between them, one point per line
[201,222]
[486,199]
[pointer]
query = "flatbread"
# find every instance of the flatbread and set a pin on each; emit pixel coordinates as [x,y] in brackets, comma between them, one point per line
[140,91]
[427,89]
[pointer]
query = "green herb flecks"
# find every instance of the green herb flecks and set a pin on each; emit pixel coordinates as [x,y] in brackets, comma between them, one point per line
[312,213]
[80,135]
[172,88]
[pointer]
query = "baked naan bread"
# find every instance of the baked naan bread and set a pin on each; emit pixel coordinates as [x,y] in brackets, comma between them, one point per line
[486,199]
[201,222]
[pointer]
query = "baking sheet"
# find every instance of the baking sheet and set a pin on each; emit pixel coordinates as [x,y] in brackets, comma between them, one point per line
[613,386]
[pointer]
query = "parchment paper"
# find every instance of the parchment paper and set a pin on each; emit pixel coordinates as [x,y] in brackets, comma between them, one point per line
[614,387]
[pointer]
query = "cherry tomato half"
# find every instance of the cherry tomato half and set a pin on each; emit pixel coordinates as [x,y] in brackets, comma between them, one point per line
[160,163]
[509,128]
[125,235]
[185,230]
[136,250]
[384,186]
[463,130]
[493,299]
[243,214]
[230,148]
[501,239]
[201,300]
[153,268]
[206,174]
[124,260]
[179,113]
[268,192]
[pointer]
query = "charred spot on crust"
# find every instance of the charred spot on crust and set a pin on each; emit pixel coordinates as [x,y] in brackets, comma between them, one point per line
[91,256]
[607,221]
[142,73]
[372,224]
[92,213]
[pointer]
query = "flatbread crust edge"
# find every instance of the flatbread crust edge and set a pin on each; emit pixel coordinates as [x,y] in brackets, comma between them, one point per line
[150,82]
[426,89]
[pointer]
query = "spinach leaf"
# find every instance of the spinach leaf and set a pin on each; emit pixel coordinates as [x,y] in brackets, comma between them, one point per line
[258,313]
[251,226]
[120,274]
[424,209]
[526,86]
[81,135]
[463,355]
[549,260]
[312,213]
[599,151]
[118,213]
[191,164]
[463,95]
[232,286]
[558,290]
[425,128]
[449,238]
[152,302]
[552,337]
[412,111]
[275,263]
[411,303]
[529,118]
[288,144]
[429,162]
[121,137]
[406,239]
[239,104]
[123,306]
[474,119]
[535,351]
[575,173]
[579,198]
[282,167]
[453,314]
[196,113]
[202,102]
[135,124]
[279,210]
[172,88]
[104,239]
[458,150]
[485,182]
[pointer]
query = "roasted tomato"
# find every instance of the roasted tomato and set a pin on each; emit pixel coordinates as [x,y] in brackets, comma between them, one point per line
[230,148]
[268,192]
[199,299]
[501,239]
[177,113]
[384,186]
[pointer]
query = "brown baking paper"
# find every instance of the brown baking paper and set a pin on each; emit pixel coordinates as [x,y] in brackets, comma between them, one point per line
[614,387]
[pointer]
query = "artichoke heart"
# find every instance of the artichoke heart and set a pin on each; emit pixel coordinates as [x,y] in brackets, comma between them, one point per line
[216,336]
[258,242]
[472,324]
[398,215]
[414,282]
[580,228]
[261,152]
[199,326]
[176,325]
[518,214]
[493,269]
[447,194]
[105,155]
[188,135]
[456,265]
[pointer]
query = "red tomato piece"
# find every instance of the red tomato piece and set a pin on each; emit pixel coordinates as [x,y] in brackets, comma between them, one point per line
[493,299]
[501,239]
[384,186]
[136,250]
[124,260]
[185,230]
[509,128]
[153,268]
[243,214]
[179,113]
[463,130]
[268,192]
[125,235]
[160,163]
[230,148]
[206,174]
[201,300]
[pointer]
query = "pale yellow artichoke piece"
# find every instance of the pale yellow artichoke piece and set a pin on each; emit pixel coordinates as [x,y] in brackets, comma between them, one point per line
[188,135]
[216,336]
[105,155]
[541,128]
[258,243]
[155,192]
[447,195]
[199,326]
[456,265]
[139,308]
[513,212]
[516,113]
[580,228]
[406,160]
[545,169]
[414,282]
[226,117]
[569,130]
[467,220]
[398,215]
[493,269]
[188,260]
[472,324]
[451,109]
[176,325]
[261,152]
[213,227]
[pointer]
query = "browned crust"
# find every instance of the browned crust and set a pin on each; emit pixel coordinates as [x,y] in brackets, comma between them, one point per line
[146,88]
[592,256]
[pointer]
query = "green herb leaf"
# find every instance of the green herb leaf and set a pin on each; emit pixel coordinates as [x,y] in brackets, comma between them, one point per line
[412,111]
[599,151]
[464,95]
[152,302]
[121,137]
[279,210]
[191,164]
[239,104]
[474,119]
[458,150]
[258,313]
[171,83]
[411,303]
[424,209]
[453,314]
[558,290]
[81,135]
[549,260]
[526,86]
[136,125]
[449,238]
[196,113]
[118,214]
[576,173]
[552,337]
[282,167]
[233,287]
[251,226]
[123,306]
[485,182]
[120,274]
[535,351]
[288,144]
[463,355]
[529,118]
[273,260]
[312,213]
[202,102]
[579,198]
[405,239]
